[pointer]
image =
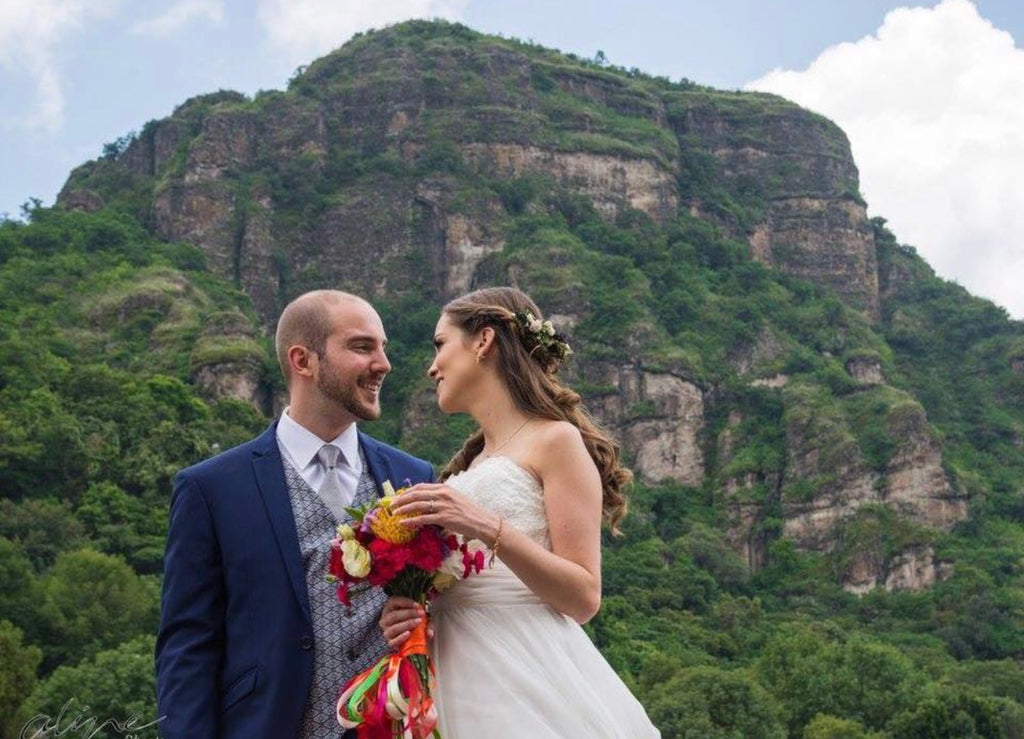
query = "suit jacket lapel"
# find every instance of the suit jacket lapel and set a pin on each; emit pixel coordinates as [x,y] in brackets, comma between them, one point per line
[380,467]
[268,468]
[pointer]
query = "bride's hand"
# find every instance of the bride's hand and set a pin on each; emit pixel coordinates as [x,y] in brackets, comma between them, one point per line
[399,617]
[441,505]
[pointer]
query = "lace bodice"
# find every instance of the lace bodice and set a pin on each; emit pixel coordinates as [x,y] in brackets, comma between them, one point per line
[501,485]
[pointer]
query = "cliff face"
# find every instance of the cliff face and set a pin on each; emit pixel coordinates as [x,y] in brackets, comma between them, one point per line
[227,361]
[913,482]
[660,417]
[407,162]
[826,481]
[796,170]
[228,174]
[609,182]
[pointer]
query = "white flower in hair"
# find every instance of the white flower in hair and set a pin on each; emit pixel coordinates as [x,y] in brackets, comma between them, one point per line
[540,338]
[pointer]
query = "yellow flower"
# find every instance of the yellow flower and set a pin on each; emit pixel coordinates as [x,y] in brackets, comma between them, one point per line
[388,525]
[443,581]
[345,532]
[355,558]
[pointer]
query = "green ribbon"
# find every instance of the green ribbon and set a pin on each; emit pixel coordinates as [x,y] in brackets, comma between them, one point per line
[370,683]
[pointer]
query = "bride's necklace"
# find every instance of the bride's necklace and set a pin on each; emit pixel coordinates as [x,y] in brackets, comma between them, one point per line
[511,436]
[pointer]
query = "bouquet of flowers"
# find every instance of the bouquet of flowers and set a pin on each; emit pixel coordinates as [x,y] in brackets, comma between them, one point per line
[393,698]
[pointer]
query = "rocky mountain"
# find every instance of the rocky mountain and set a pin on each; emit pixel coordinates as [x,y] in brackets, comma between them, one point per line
[741,325]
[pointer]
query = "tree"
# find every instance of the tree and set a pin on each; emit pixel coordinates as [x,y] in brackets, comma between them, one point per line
[124,525]
[949,714]
[810,673]
[115,685]
[993,677]
[32,426]
[711,703]
[94,601]
[19,588]
[709,551]
[114,149]
[41,529]
[830,727]
[18,663]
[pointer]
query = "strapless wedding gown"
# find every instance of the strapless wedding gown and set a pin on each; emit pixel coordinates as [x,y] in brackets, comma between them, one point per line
[509,666]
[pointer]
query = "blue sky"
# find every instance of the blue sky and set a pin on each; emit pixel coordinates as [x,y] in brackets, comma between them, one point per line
[930,93]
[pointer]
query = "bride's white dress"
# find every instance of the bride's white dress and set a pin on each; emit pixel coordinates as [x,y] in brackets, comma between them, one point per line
[509,666]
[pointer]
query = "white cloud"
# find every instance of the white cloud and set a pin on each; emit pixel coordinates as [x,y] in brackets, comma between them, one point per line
[30,36]
[932,103]
[306,29]
[180,15]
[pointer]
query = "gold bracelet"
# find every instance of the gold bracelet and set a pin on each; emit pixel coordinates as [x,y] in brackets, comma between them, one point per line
[497,541]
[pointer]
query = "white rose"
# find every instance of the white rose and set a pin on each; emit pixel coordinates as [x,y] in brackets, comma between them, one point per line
[345,532]
[452,566]
[355,558]
[549,328]
[475,545]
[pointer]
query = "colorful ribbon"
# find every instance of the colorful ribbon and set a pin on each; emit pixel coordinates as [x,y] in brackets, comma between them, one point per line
[392,700]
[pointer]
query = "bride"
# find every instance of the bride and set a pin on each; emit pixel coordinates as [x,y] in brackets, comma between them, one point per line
[534,483]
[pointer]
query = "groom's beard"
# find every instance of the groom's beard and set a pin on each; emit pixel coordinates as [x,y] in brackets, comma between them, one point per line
[352,393]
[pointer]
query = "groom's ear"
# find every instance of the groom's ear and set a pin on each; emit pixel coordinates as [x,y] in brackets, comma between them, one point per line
[301,360]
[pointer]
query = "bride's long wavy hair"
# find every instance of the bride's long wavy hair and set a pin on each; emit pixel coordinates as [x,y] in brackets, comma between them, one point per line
[530,377]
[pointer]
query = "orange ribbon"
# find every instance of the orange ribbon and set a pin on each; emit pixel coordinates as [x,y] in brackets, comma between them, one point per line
[417,641]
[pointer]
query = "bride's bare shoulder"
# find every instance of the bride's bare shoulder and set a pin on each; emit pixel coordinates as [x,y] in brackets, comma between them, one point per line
[560,434]
[556,443]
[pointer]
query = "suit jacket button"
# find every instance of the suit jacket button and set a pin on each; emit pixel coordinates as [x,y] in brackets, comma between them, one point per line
[306,643]
[351,654]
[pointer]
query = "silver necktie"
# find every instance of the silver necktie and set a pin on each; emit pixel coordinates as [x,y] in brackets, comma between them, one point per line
[331,492]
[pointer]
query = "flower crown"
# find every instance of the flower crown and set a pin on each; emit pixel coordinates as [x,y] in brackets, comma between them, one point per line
[541,340]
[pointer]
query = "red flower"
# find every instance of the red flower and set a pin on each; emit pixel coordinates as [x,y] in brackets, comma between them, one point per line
[388,560]
[471,562]
[335,566]
[427,550]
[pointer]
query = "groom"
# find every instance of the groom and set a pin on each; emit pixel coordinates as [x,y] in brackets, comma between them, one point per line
[253,641]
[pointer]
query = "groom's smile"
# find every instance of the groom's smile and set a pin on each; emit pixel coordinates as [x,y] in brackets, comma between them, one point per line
[354,363]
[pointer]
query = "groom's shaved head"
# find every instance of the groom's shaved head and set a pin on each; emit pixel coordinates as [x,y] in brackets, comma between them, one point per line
[306,321]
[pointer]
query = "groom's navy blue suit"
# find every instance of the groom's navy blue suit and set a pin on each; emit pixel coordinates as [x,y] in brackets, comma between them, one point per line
[235,649]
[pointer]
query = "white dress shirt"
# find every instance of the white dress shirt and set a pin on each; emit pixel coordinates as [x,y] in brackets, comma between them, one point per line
[300,446]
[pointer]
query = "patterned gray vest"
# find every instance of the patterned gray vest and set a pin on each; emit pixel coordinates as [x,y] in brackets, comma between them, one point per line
[345,640]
